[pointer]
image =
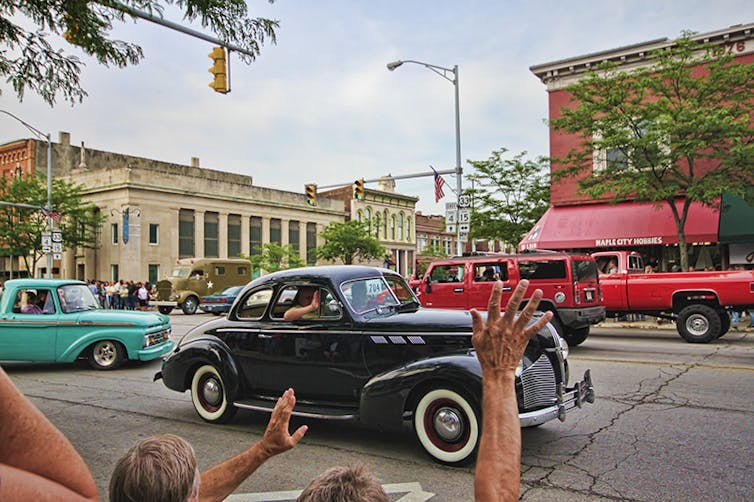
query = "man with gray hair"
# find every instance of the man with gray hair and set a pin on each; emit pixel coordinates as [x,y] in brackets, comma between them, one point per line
[163,468]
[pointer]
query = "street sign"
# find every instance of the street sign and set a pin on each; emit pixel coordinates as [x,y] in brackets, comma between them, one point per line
[450,218]
[464,215]
[450,228]
[46,249]
[464,201]
[57,247]
[463,236]
[57,237]
[57,256]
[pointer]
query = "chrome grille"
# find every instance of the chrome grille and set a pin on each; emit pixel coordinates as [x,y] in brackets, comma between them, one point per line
[538,382]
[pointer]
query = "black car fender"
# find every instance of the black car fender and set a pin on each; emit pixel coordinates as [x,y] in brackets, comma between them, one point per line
[187,358]
[388,397]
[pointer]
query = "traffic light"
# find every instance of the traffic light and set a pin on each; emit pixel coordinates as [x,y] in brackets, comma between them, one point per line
[358,189]
[219,70]
[311,194]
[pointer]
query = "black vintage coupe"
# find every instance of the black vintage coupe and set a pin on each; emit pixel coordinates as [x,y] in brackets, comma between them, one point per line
[370,353]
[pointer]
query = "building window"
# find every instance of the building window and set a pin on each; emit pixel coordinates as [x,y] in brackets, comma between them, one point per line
[392,227]
[154,233]
[400,227]
[255,235]
[293,235]
[234,235]
[311,243]
[384,223]
[114,233]
[154,273]
[377,225]
[408,229]
[186,233]
[359,216]
[276,231]
[368,217]
[626,157]
[211,228]
[114,272]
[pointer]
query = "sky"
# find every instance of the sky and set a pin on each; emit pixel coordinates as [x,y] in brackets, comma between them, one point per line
[321,107]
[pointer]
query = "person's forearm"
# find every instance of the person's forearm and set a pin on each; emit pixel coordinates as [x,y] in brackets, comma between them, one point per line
[498,466]
[221,480]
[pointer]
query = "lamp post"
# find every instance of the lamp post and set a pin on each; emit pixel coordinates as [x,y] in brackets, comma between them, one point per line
[446,74]
[39,134]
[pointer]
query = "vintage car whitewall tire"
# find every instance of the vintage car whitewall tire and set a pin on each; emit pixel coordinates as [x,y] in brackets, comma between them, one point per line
[447,426]
[106,355]
[209,396]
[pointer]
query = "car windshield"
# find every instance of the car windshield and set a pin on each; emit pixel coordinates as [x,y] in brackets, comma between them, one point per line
[76,297]
[369,294]
[233,290]
[180,272]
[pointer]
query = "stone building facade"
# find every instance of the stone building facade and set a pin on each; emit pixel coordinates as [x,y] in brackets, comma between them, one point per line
[157,212]
[389,217]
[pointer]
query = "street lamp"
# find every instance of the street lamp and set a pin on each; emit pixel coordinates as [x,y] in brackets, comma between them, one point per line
[446,74]
[39,134]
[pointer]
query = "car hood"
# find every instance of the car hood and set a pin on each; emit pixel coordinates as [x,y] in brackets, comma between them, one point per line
[133,317]
[452,321]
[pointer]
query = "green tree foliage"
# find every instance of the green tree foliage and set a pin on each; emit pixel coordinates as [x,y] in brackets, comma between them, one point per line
[21,228]
[427,255]
[349,242]
[274,257]
[510,194]
[32,62]
[664,132]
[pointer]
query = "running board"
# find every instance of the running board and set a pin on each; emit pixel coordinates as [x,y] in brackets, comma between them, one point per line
[301,409]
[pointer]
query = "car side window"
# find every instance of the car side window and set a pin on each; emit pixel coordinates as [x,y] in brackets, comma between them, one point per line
[255,304]
[489,272]
[301,296]
[447,273]
[542,269]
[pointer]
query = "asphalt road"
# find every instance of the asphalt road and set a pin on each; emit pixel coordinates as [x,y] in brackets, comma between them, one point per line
[672,421]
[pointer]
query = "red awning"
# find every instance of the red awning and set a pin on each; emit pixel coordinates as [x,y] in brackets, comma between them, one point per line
[626,224]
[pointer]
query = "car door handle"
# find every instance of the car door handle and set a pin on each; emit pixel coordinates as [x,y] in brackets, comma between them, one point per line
[458,290]
[86,322]
[265,337]
[507,288]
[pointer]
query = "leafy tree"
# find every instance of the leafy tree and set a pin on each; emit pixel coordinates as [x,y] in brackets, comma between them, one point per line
[21,228]
[427,255]
[510,195]
[274,257]
[32,62]
[348,242]
[668,131]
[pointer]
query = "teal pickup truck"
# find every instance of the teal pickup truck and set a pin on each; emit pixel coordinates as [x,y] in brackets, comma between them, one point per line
[60,320]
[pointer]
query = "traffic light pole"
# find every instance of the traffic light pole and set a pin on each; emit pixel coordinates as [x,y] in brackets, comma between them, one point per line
[391,177]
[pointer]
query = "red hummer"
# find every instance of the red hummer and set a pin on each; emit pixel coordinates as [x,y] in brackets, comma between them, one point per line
[569,282]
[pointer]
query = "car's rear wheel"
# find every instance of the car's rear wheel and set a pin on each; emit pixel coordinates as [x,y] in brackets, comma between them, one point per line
[190,305]
[106,355]
[699,324]
[165,310]
[576,336]
[210,397]
[447,426]
[724,322]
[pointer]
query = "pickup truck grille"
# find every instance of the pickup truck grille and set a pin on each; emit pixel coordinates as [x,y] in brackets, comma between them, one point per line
[538,381]
[157,337]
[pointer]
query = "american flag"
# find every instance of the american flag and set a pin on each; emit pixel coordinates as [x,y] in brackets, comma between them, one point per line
[52,214]
[439,183]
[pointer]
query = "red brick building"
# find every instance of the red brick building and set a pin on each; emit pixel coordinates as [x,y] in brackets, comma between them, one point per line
[577,222]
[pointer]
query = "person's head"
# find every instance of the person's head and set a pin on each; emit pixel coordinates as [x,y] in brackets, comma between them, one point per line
[160,468]
[31,297]
[344,484]
[305,295]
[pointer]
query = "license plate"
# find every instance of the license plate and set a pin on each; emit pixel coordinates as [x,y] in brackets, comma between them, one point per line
[589,296]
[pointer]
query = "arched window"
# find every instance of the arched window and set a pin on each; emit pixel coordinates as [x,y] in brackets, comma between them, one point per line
[377,224]
[392,227]
[408,229]
[368,216]
[384,223]
[400,226]
[359,216]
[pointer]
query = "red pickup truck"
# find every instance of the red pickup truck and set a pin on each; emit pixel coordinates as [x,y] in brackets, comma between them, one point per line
[695,300]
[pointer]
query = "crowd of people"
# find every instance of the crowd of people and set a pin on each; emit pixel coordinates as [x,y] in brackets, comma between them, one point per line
[37,462]
[123,295]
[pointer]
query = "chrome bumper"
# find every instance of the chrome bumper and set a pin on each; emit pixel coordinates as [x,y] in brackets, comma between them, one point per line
[567,399]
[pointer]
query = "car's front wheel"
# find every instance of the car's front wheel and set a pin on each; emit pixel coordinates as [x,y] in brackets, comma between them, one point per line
[210,396]
[447,426]
[106,355]
[190,305]
[165,310]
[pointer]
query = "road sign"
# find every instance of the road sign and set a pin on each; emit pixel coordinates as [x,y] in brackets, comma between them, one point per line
[57,247]
[57,256]
[46,249]
[464,215]
[450,228]
[57,237]
[464,200]
[463,236]
[450,217]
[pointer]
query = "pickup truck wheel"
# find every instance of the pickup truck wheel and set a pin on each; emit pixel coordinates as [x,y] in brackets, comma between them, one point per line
[699,324]
[165,310]
[209,395]
[724,322]
[190,305]
[576,336]
[106,355]
[447,426]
